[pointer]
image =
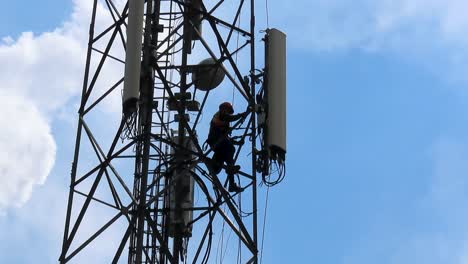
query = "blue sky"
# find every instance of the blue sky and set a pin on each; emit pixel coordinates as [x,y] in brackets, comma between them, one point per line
[377,162]
[37,16]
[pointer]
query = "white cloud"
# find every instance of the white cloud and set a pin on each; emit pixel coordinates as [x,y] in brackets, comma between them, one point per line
[336,24]
[41,79]
[430,33]
[44,68]
[28,150]
[40,76]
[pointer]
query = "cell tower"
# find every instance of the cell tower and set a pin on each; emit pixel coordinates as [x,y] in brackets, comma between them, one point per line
[143,184]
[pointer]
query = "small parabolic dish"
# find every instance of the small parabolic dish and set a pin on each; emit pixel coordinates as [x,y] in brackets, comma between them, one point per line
[207,75]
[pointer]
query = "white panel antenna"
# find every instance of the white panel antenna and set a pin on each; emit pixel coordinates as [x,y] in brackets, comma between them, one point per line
[133,56]
[276,93]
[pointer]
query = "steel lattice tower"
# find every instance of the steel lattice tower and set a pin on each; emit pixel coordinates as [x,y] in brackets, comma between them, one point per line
[143,174]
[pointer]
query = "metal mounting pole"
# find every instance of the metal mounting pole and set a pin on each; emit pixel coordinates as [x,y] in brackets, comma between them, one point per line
[254,130]
[144,128]
[179,152]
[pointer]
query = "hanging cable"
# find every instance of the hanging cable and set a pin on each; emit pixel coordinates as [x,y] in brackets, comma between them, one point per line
[226,247]
[208,246]
[264,224]
[239,246]
[219,250]
[279,169]
[129,130]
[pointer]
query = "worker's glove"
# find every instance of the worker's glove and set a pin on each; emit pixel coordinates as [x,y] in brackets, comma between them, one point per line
[241,115]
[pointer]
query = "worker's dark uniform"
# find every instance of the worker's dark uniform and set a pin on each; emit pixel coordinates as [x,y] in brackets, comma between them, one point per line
[219,140]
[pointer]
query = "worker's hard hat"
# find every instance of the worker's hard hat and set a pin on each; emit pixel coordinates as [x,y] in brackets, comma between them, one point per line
[226,106]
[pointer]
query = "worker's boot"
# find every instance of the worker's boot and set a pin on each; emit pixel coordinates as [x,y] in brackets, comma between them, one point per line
[233,187]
